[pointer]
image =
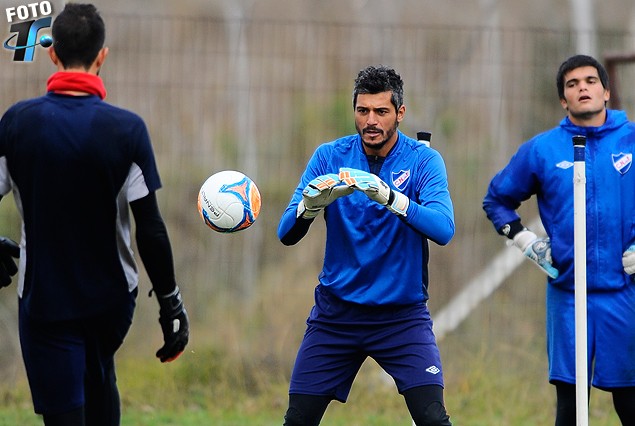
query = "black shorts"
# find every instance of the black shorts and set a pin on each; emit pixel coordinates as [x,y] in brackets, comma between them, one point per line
[60,355]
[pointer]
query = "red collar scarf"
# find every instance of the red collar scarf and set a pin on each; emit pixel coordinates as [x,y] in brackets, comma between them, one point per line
[63,81]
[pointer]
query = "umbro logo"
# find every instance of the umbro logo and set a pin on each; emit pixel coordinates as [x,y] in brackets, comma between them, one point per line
[564,165]
[433,369]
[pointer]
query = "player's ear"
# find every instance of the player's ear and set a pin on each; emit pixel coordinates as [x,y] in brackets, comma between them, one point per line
[53,56]
[99,60]
[564,104]
[401,112]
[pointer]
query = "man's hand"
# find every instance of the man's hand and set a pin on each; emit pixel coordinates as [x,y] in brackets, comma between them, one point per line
[537,250]
[628,260]
[376,189]
[319,193]
[174,324]
[9,250]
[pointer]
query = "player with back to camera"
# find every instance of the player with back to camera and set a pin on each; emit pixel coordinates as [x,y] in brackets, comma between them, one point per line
[384,195]
[76,165]
[543,166]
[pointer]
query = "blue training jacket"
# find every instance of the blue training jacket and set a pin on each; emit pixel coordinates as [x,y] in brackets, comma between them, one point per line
[543,166]
[373,257]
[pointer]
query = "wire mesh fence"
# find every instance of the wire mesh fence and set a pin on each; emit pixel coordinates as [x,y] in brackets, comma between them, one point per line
[259,96]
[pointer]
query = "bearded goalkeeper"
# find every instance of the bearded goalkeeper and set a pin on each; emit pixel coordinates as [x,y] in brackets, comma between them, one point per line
[383,196]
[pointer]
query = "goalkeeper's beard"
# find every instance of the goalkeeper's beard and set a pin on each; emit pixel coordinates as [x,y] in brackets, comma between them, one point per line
[376,146]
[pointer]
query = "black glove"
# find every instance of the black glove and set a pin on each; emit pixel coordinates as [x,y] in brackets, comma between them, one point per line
[175,325]
[8,250]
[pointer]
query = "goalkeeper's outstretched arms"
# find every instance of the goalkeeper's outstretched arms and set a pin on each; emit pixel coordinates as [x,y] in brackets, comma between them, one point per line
[307,203]
[431,214]
[156,254]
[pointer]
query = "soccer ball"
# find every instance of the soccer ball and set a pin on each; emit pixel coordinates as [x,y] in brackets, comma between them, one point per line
[229,201]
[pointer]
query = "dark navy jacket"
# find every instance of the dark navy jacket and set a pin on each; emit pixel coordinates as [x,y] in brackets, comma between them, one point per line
[74,163]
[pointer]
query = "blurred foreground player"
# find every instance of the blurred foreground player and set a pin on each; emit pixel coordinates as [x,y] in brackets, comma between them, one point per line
[76,165]
[384,195]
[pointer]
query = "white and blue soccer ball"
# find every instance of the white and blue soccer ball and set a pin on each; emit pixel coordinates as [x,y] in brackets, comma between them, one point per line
[229,201]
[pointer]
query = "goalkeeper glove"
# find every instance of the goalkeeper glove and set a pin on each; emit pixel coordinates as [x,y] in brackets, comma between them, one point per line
[174,324]
[376,189]
[9,249]
[319,193]
[628,260]
[538,250]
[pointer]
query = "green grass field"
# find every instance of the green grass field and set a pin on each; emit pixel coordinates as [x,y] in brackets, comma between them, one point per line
[225,392]
[236,368]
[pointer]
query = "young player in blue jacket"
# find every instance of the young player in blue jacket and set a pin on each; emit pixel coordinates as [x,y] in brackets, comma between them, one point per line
[384,195]
[543,167]
[76,165]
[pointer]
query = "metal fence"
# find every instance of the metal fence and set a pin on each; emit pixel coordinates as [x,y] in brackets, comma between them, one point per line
[259,96]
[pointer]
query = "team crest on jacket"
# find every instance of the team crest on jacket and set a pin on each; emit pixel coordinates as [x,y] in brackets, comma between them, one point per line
[400,178]
[622,162]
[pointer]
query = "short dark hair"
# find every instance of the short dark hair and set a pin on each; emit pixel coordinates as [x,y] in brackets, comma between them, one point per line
[78,35]
[578,61]
[379,79]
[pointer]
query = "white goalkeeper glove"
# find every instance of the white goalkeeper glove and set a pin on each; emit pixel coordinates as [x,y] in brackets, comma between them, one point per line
[376,189]
[538,250]
[628,260]
[319,193]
